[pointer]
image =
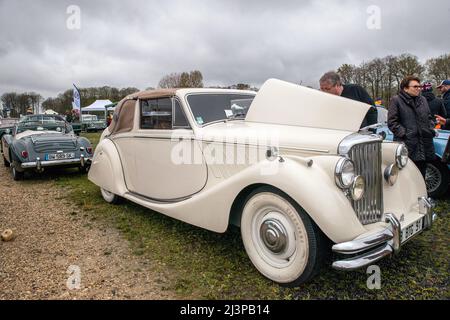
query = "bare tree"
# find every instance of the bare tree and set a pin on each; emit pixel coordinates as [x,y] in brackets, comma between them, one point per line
[409,65]
[438,69]
[170,81]
[346,72]
[196,79]
[193,79]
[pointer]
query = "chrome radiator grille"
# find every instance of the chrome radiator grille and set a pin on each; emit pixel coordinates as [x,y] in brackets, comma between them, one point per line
[55,145]
[367,160]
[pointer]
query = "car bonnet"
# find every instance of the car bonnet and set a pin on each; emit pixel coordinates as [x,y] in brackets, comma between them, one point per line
[284,103]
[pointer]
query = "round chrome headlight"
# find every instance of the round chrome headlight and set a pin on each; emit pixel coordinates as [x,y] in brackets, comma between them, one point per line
[358,188]
[344,173]
[391,174]
[401,156]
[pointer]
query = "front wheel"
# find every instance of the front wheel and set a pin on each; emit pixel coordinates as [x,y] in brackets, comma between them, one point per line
[109,196]
[281,240]
[437,178]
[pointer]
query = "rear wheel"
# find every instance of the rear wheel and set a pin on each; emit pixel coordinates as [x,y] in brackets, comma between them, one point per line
[109,196]
[17,175]
[437,178]
[281,240]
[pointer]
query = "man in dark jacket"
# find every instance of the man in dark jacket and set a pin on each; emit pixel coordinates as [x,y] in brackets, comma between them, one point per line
[410,120]
[331,83]
[435,104]
[444,88]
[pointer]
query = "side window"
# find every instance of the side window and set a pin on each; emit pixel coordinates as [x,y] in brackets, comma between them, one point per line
[179,118]
[156,114]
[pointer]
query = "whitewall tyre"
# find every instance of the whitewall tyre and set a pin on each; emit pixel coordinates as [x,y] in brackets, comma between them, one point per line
[281,240]
[109,196]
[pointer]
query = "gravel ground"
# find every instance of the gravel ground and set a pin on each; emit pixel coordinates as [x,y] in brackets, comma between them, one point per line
[51,236]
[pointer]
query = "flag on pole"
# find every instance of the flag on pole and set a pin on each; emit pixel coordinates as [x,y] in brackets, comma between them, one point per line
[76,103]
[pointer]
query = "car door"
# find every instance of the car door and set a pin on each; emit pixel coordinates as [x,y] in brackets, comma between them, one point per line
[161,159]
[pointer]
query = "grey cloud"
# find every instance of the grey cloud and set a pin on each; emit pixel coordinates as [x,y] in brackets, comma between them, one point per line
[135,43]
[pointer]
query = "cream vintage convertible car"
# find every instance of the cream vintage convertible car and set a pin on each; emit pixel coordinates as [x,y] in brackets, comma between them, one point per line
[289,165]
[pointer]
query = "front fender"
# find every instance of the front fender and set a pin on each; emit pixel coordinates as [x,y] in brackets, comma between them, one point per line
[106,168]
[310,182]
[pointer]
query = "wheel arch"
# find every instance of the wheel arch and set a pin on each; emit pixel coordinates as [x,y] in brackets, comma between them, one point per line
[106,168]
[239,201]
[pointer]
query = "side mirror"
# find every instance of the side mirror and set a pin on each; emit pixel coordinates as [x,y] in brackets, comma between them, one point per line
[8,131]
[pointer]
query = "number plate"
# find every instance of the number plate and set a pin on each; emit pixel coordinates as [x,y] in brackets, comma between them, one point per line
[412,229]
[61,156]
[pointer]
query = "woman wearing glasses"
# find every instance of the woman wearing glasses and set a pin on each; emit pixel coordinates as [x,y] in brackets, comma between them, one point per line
[410,120]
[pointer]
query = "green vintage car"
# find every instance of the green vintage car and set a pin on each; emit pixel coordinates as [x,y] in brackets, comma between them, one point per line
[40,141]
[90,123]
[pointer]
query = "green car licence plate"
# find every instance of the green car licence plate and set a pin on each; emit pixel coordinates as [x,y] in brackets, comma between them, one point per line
[60,156]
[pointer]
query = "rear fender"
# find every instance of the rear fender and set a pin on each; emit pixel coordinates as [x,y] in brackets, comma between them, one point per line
[106,168]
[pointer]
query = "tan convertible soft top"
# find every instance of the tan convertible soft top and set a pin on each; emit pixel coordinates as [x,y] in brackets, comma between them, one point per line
[123,118]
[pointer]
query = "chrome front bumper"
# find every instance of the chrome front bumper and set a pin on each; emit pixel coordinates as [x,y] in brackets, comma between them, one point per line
[39,164]
[367,250]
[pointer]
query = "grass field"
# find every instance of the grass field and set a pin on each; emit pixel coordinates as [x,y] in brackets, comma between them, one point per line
[203,265]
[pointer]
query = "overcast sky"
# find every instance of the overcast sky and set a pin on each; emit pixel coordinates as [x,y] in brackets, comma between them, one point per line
[135,43]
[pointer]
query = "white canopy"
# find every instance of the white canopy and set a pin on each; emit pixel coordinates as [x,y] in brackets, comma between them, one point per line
[50,111]
[98,105]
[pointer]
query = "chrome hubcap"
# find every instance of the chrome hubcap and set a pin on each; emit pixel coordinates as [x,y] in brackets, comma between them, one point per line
[274,236]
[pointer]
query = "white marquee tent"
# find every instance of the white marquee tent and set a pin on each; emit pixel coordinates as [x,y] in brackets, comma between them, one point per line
[98,105]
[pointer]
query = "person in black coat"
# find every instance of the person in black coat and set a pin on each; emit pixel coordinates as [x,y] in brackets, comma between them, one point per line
[331,83]
[444,88]
[410,120]
[435,104]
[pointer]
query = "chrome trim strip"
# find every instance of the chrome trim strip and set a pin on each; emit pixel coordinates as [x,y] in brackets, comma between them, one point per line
[303,149]
[38,163]
[355,139]
[159,201]
[192,138]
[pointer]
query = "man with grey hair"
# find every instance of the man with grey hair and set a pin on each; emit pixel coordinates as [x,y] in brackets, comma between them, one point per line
[330,82]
